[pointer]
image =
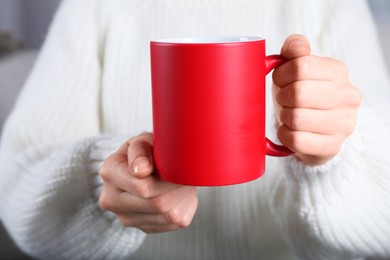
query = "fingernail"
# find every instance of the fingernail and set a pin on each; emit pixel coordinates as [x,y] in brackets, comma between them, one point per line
[297,43]
[141,164]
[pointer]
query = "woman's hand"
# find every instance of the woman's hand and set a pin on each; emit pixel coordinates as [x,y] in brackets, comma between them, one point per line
[315,102]
[137,197]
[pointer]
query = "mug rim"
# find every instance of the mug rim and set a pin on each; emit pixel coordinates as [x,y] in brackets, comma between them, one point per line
[208,39]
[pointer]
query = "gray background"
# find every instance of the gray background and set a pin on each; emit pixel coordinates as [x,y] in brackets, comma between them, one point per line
[23,26]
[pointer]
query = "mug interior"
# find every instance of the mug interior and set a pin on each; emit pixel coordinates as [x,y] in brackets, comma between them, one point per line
[212,39]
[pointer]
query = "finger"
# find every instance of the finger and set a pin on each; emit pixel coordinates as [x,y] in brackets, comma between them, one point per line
[140,155]
[309,68]
[295,46]
[311,94]
[147,224]
[115,171]
[317,95]
[121,202]
[191,205]
[129,203]
[325,122]
[147,187]
[108,199]
[184,222]
[177,217]
[307,143]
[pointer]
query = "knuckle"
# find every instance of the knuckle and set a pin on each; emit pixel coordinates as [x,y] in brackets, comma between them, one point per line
[105,202]
[141,188]
[109,166]
[104,172]
[161,204]
[340,67]
[285,116]
[333,149]
[276,77]
[347,121]
[292,139]
[282,134]
[350,125]
[297,141]
[328,147]
[297,93]
[357,97]
[302,66]
[184,222]
[294,119]
[174,217]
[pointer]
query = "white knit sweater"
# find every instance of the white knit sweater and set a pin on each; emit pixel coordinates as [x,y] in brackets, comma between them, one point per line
[90,90]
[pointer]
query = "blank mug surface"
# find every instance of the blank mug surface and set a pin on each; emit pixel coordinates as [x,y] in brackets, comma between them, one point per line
[209,109]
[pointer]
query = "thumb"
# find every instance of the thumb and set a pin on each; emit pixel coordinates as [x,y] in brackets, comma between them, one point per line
[142,166]
[295,46]
[140,155]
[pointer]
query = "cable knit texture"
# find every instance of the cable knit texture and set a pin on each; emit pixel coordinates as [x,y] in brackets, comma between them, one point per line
[90,90]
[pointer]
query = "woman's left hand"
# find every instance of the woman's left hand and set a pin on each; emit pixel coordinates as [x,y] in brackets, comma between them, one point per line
[315,103]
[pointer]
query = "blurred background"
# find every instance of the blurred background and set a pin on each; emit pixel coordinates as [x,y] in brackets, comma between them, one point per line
[23,27]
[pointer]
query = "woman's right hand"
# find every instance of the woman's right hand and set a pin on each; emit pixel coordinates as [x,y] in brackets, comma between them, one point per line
[138,197]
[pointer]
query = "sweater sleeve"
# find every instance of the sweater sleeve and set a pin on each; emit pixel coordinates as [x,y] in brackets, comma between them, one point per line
[51,149]
[341,210]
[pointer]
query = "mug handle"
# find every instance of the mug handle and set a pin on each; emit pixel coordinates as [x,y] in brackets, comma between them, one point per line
[272,149]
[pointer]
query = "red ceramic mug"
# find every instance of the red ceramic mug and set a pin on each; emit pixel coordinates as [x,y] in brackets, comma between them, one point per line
[209,109]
